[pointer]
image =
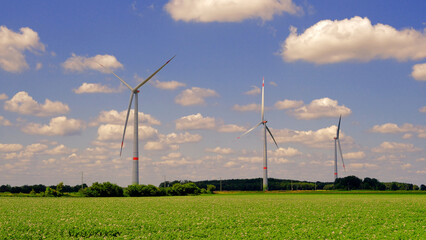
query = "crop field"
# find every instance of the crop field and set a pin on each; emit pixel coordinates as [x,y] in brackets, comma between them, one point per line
[219,216]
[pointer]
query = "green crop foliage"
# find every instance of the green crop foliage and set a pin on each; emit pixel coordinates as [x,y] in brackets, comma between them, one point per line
[224,216]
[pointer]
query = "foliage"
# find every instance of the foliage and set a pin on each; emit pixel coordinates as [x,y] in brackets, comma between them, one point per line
[220,216]
[105,189]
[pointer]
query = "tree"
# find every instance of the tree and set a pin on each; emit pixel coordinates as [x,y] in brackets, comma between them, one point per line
[59,188]
[423,187]
[210,188]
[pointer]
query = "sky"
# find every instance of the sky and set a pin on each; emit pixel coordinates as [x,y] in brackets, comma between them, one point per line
[61,114]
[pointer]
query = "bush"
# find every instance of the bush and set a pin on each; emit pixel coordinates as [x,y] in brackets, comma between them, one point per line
[105,189]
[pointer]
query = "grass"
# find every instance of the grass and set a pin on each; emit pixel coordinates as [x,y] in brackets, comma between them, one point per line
[221,216]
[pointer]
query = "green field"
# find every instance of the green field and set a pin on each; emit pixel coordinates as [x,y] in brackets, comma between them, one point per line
[219,216]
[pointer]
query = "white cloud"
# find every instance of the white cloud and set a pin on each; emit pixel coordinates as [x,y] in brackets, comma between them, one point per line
[287,104]
[393,147]
[13,45]
[284,152]
[406,128]
[79,64]
[194,96]
[94,88]
[419,72]
[273,83]
[10,147]
[220,150]
[110,132]
[39,66]
[174,138]
[354,155]
[422,109]
[115,117]
[246,108]
[58,126]
[3,96]
[171,85]
[231,128]
[320,108]
[228,10]
[362,166]
[195,121]
[321,138]
[36,147]
[353,39]
[4,122]
[254,91]
[60,150]
[24,104]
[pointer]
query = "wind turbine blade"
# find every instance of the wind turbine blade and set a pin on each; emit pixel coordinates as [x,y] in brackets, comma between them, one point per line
[125,124]
[263,98]
[341,155]
[271,135]
[251,129]
[127,85]
[152,75]
[338,127]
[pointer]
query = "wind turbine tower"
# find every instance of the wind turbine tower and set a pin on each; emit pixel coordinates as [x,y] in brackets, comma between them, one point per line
[265,128]
[134,94]
[337,142]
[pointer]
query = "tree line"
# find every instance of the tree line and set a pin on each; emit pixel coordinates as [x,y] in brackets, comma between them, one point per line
[108,189]
[183,188]
[346,183]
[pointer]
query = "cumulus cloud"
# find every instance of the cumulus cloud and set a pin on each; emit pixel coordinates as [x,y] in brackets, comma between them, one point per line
[60,150]
[14,44]
[363,166]
[406,128]
[24,104]
[284,152]
[36,147]
[247,108]
[195,121]
[353,39]
[220,150]
[4,122]
[228,10]
[320,108]
[94,88]
[10,147]
[287,104]
[393,147]
[58,126]
[194,96]
[115,117]
[254,91]
[231,128]
[175,138]
[171,85]
[419,72]
[111,132]
[79,64]
[354,155]
[3,96]
[422,109]
[321,138]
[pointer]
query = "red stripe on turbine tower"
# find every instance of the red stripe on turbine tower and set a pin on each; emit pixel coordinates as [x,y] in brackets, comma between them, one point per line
[135,158]
[264,167]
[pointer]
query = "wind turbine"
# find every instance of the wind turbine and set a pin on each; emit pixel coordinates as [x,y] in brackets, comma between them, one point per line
[337,142]
[265,128]
[134,94]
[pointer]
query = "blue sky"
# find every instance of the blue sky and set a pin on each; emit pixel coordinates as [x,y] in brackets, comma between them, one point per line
[61,114]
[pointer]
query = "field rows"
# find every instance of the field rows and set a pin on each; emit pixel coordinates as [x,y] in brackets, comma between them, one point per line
[251,216]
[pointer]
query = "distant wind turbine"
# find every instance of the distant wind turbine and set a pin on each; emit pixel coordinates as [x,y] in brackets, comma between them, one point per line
[337,142]
[265,128]
[135,91]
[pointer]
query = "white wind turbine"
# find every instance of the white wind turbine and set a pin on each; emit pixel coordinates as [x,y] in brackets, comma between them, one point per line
[265,128]
[135,91]
[337,142]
